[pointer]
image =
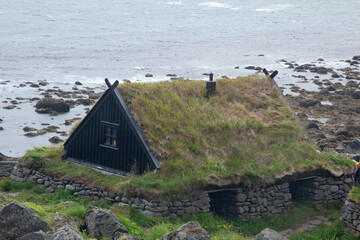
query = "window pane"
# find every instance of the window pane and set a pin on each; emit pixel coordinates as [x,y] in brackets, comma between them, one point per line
[107,140]
[108,130]
[114,142]
[114,131]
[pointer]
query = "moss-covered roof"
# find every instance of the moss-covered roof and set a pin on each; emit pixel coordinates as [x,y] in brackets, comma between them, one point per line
[246,132]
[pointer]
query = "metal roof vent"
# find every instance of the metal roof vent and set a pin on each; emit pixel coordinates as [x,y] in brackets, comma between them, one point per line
[210,85]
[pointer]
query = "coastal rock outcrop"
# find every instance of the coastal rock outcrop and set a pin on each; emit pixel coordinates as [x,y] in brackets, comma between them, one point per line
[102,223]
[189,231]
[16,220]
[308,102]
[50,105]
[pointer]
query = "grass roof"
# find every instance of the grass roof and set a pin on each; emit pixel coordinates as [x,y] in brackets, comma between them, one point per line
[244,134]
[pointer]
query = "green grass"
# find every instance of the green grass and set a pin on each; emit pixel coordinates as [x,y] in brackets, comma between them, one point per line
[150,228]
[323,232]
[236,227]
[355,193]
[246,131]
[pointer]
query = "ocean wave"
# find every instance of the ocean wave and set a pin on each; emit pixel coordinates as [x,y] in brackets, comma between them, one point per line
[274,8]
[139,68]
[175,3]
[218,5]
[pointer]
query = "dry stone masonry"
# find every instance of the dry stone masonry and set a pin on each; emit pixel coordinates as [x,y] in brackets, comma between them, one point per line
[322,189]
[350,216]
[240,202]
[149,208]
[252,203]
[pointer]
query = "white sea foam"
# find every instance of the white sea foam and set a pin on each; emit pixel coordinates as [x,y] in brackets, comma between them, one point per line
[274,8]
[139,68]
[175,3]
[218,5]
[214,4]
[72,78]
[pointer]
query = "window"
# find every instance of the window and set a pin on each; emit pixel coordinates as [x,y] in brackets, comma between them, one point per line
[110,134]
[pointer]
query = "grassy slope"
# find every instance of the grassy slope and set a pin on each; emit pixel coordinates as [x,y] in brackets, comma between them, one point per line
[245,130]
[355,193]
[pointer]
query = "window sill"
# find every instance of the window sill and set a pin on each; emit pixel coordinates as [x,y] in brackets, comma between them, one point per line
[108,146]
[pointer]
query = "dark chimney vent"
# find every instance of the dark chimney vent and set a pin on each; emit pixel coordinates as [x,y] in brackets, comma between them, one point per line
[210,85]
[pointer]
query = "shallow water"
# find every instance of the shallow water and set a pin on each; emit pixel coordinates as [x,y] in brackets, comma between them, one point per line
[89,40]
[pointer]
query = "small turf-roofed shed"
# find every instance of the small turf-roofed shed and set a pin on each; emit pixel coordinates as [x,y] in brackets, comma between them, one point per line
[109,137]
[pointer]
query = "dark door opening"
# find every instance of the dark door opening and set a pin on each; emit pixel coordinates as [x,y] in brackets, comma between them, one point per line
[223,202]
[302,189]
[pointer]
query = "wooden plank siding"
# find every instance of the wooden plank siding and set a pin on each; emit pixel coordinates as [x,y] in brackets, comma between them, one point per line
[88,142]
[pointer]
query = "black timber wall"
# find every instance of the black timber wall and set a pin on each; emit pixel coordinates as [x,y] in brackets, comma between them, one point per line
[86,147]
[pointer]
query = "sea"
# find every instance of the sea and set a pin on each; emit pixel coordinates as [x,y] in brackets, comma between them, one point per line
[88,40]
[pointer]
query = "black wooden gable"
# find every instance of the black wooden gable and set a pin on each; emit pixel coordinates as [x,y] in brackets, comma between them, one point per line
[109,137]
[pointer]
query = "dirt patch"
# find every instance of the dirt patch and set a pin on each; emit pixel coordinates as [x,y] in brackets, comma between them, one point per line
[307,225]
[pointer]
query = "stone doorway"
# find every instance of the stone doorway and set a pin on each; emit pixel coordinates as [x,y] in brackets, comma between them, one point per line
[302,189]
[223,202]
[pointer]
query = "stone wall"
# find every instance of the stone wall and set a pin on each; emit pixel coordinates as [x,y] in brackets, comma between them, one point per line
[239,202]
[149,208]
[350,216]
[6,167]
[252,203]
[322,189]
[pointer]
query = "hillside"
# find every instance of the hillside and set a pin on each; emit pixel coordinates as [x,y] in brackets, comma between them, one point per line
[245,134]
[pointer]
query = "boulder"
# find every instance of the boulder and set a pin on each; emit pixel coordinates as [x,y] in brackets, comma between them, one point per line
[269,234]
[40,235]
[1,207]
[352,128]
[4,158]
[67,232]
[29,129]
[16,220]
[48,105]
[102,223]
[189,231]
[308,102]
[126,236]
[356,95]
[320,70]
[312,124]
[250,67]
[352,147]
[62,220]
[55,140]
[9,107]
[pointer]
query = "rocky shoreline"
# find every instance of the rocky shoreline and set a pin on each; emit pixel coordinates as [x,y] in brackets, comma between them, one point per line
[41,113]
[332,113]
